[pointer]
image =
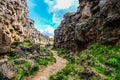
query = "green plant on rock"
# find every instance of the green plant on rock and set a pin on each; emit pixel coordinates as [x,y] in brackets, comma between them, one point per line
[103,60]
[42,61]
[27,65]
[117,77]
[34,70]
[20,74]
[41,48]
[12,58]
[113,62]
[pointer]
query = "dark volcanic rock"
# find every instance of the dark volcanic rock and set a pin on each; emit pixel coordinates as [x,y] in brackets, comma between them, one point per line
[45,53]
[35,47]
[2,77]
[94,21]
[86,75]
[19,52]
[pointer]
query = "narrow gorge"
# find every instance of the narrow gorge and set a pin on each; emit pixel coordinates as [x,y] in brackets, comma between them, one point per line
[21,49]
[96,21]
[86,44]
[90,40]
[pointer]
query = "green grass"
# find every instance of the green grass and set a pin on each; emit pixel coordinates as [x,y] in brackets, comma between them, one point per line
[103,60]
[72,70]
[25,68]
[12,58]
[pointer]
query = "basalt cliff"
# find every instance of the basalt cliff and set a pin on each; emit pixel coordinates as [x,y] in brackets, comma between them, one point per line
[20,42]
[95,21]
[15,23]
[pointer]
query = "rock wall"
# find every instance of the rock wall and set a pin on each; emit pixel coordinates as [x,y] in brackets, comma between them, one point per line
[5,42]
[16,24]
[94,21]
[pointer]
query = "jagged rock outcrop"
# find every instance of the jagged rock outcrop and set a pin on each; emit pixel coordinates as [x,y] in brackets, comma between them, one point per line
[16,24]
[24,56]
[94,21]
[17,30]
[7,71]
[5,42]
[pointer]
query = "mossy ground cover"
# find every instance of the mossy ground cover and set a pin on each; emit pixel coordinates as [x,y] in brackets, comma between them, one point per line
[25,68]
[103,61]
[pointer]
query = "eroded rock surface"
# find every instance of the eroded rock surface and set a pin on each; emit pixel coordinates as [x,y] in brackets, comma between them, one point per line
[15,29]
[7,71]
[94,21]
[5,42]
[23,56]
[16,24]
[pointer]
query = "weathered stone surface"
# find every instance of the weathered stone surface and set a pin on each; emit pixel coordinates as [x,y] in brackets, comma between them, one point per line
[7,70]
[94,21]
[23,51]
[4,42]
[15,23]
[22,56]
[35,47]
[3,77]
[19,52]
[17,27]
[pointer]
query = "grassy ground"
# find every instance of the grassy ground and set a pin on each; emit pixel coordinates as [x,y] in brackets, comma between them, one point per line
[25,68]
[98,62]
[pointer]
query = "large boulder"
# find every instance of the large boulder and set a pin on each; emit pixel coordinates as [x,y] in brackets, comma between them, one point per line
[7,71]
[5,42]
[35,47]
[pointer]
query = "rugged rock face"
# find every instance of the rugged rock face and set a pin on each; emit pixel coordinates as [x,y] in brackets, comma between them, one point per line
[24,55]
[16,30]
[7,71]
[94,21]
[15,23]
[4,42]
[64,35]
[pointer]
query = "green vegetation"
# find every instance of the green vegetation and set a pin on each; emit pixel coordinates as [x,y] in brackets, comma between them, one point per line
[12,58]
[72,70]
[30,65]
[103,61]
[113,62]
[25,69]
[27,44]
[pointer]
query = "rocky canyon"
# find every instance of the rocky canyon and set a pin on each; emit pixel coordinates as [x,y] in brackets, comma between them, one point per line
[18,39]
[95,21]
[86,43]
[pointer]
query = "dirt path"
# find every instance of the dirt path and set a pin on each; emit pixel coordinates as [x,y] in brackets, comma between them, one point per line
[50,69]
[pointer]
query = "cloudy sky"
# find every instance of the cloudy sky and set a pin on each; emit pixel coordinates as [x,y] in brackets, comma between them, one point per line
[47,14]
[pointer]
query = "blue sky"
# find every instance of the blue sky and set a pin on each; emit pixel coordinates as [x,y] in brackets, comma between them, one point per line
[47,14]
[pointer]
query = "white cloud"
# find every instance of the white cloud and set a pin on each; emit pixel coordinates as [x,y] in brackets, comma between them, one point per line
[41,31]
[56,19]
[60,7]
[56,5]
[49,2]
[63,4]
[31,4]
[49,31]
